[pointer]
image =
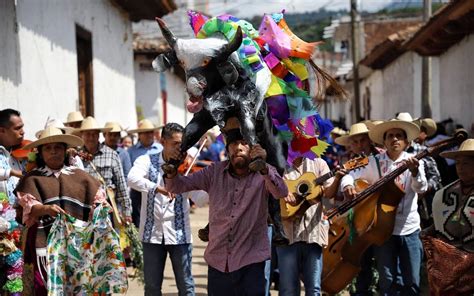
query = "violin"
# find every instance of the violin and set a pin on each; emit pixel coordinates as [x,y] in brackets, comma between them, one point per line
[19,153]
[192,164]
[198,165]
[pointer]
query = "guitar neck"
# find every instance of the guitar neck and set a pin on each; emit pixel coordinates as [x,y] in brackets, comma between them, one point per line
[324,178]
[373,188]
[435,149]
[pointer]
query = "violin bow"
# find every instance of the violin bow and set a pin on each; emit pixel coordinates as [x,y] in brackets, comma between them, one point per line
[195,157]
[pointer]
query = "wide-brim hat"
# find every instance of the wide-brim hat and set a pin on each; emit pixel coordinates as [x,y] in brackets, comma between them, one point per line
[75,116]
[466,149]
[371,123]
[338,131]
[144,126]
[54,135]
[356,129]
[57,124]
[115,127]
[376,133]
[90,124]
[428,123]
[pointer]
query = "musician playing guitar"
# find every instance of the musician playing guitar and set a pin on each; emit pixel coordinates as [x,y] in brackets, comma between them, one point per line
[402,253]
[360,143]
[307,233]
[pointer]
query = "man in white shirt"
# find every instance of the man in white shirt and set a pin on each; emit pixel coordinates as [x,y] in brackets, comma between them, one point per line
[164,218]
[400,256]
[11,169]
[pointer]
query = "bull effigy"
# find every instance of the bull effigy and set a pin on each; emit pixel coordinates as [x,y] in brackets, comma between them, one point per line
[259,77]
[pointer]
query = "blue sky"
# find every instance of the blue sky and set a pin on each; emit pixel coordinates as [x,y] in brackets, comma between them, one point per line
[248,8]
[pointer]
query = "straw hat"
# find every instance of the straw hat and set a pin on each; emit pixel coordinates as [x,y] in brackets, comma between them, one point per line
[338,131]
[428,123]
[466,149]
[75,116]
[144,126]
[403,121]
[115,127]
[356,129]
[54,135]
[90,124]
[57,124]
[371,123]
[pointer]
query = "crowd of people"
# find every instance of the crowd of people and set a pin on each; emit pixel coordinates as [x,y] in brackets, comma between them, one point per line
[65,196]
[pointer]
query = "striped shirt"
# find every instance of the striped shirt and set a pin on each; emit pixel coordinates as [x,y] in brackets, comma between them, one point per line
[108,164]
[238,210]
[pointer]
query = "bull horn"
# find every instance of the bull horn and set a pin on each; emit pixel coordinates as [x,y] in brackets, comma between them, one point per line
[169,36]
[233,44]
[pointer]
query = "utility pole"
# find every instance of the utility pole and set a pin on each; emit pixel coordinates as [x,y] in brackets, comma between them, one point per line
[426,71]
[355,60]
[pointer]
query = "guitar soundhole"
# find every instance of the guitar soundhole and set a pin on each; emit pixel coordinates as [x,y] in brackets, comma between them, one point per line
[303,189]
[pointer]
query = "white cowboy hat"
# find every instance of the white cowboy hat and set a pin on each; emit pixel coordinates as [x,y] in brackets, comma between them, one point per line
[403,121]
[338,131]
[75,116]
[115,127]
[90,124]
[54,135]
[371,123]
[466,149]
[57,124]
[144,126]
[356,129]
[428,123]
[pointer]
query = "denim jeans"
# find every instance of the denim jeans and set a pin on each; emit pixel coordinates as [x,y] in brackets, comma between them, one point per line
[400,258]
[246,281]
[154,258]
[268,265]
[300,258]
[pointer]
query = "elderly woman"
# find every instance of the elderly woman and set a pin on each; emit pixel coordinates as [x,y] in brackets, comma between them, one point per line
[449,244]
[55,188]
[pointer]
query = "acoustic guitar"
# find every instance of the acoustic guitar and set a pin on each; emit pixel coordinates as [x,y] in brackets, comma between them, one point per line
[307,188]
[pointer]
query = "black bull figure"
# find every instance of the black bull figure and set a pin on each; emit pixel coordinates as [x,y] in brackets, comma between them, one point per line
[219,88]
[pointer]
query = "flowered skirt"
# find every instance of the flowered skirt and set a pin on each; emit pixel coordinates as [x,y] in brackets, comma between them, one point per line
[84,258]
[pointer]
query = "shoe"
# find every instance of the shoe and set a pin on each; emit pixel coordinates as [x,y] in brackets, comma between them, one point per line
[203,233]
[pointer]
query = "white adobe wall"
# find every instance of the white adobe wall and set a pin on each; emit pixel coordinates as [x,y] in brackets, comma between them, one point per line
[147,91]
[456,82]
[48,63]
[177,99]
[148,94]
[10,76]
[374,82]
[401,87]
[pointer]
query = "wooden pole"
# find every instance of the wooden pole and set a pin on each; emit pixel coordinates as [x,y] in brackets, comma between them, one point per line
[355,60]
[426,71]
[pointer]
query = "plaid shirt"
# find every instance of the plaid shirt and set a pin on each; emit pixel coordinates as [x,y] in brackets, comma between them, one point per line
[431,169]
[107,162]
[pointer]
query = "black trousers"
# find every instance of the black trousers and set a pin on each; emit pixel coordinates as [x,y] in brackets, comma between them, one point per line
[246,281]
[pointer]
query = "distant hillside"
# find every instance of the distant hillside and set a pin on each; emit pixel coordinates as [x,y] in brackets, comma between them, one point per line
[407,8]
[309,26]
